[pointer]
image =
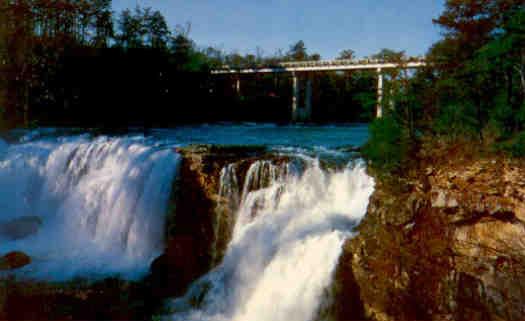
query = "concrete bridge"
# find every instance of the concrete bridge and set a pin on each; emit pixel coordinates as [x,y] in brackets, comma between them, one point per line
[302,74]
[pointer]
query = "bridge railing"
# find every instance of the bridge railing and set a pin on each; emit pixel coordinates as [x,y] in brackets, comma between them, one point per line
[322,63]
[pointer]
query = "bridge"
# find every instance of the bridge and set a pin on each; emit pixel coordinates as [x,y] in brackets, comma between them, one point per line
[304,70]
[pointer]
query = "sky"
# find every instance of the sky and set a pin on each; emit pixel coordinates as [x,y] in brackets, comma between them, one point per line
[326,26]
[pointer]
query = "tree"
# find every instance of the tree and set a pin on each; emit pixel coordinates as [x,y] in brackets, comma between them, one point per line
[477,62]
[472,22]
[19,41]
[157,29]
[234,60]
[102,23]
[347,54]
[3,64]
[132,29]
[214,56]
[389,55]
[297,52]
[315,57]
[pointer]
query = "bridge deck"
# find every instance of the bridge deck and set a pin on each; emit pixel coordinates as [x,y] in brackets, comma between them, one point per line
[323,65]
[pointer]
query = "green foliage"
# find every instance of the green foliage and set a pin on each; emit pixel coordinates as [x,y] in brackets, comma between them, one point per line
[389,55]
[347,54]
[142,28]
[502,117]
[456,121]
[514,147]
[298,51]
[386,147]
[368,101]
[479,68]
[520,116]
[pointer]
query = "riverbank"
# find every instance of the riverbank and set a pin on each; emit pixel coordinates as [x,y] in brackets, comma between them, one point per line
[442,241]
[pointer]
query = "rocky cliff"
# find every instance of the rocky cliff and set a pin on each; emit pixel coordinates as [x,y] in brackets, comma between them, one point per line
[447,242]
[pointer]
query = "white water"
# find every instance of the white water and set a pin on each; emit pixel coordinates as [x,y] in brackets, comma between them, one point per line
[102,203]
[229,185]
[282,257]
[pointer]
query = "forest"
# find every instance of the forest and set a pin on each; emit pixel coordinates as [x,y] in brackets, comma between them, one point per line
[471,95]
[79,63]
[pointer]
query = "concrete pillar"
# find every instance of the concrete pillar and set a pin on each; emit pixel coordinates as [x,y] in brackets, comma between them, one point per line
[238,86]
[295,97]
[379,108]
[308,99]
[391,100]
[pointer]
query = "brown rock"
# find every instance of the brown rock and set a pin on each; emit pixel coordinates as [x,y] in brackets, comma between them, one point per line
[14,260]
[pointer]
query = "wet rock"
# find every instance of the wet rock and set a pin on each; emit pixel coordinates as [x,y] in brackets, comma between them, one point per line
[173,271]
[108,299]
[20,228]
[343,300]
[14,260]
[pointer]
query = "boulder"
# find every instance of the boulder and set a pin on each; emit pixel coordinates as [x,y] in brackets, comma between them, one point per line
[20,228]
[14,260]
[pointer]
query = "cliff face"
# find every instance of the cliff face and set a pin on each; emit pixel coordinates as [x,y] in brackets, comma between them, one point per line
[448,244]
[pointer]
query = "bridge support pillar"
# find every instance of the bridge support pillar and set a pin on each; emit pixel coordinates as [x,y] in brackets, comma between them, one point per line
[238,86]
[300,112]
[379,107]
[308,99]
[295,97]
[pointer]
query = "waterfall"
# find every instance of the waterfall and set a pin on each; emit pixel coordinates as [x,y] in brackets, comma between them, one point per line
[228,203]
[261,174]
[229,186]
[288,237]
[102,203]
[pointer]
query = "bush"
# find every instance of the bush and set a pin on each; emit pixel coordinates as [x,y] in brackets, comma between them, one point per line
[502,117]
[456,121]
[386,147]
[515,147]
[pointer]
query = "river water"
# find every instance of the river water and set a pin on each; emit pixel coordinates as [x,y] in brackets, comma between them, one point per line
[102,201]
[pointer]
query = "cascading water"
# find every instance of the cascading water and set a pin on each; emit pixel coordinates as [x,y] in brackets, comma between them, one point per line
[229,185]
[262,174]
[282,257]
[101,202]
[263,186]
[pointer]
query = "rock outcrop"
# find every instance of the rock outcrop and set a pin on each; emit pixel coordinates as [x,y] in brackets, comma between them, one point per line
[14,260]
[201,221]
[109,299]
[446,243]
